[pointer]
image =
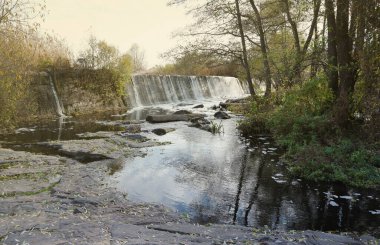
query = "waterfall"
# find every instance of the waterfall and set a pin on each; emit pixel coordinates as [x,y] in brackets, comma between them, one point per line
[58,105]
[146,90]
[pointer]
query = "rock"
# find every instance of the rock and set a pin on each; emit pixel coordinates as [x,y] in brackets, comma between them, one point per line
[84,201]
[223,105]
[322,238]
[162,131]
[183,104]
[134,122]
[199,120]
[201,123]
[137,137]
[199,106]
[221,115]
[182,112]
[214,107]
[133,128]
[172,118]
[77,211]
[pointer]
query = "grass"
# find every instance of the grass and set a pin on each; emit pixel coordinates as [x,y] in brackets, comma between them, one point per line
[216,128]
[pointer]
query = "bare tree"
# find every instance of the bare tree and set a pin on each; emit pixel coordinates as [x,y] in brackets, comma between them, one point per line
[263,47]
[138,57]
[244,49]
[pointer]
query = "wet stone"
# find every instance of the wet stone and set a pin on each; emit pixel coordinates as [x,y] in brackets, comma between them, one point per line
[199,106]
[221,115]
[162,131]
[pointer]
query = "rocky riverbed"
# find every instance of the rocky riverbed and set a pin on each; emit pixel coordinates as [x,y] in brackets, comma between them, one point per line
[57,199]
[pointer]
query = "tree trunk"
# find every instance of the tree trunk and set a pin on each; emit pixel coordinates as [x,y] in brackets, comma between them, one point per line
[244,47]
[346,71]
[264,51]
[332,56]
[314,62]
[297,45]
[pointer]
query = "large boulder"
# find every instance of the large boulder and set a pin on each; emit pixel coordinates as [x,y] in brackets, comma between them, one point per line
[221,115]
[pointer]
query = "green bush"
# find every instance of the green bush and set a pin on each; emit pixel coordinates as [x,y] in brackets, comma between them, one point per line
[301,118]
[300,121]
[344,162]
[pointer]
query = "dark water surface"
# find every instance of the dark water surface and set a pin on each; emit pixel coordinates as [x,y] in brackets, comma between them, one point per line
[216,178]
[229,179]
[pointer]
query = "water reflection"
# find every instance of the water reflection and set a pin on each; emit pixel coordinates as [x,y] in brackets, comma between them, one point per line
[226,179]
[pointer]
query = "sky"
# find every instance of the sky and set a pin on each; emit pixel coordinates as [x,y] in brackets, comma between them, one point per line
[149,23]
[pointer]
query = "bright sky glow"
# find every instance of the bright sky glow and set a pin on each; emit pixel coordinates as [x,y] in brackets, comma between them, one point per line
[149,23]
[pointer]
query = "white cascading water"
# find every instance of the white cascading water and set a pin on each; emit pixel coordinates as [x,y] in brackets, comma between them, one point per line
[58,106]
[147,90]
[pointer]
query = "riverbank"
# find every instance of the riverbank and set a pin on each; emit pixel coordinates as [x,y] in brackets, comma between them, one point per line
[51,199]
[317,148]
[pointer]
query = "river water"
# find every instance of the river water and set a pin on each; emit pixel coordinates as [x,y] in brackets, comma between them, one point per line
[222,178]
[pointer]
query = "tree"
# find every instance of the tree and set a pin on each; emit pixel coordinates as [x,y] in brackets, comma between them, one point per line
[99,54]
[351,54]
[219,30]
[244,49]
[138,57]
[263,47]
[19,44]
[300,51]
[332,57]
[125,66]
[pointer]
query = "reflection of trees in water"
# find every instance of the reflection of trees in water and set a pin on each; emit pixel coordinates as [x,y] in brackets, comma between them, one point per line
[216,182]
[243,192]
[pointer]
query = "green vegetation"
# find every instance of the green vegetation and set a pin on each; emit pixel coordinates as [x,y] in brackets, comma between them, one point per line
[216,128]
[26,54]
[317,149]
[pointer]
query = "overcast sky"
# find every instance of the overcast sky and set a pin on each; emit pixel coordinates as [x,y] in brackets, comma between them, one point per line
[149,23]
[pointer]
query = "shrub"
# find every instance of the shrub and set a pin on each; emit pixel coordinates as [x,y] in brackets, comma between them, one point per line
[300,121]
[344,162]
